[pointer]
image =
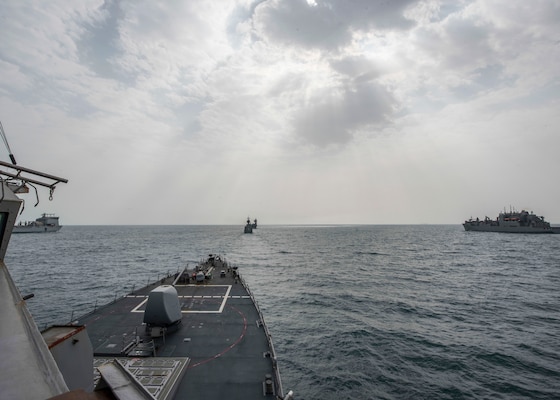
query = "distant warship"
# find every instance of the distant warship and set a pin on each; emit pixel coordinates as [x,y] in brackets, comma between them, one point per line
[45,223]
[511,222]
[249,226]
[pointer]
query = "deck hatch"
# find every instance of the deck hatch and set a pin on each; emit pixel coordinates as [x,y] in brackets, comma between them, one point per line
[158,376]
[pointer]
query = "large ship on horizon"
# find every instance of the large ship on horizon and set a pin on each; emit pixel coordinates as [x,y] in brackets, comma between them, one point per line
[511,222]
[44,224]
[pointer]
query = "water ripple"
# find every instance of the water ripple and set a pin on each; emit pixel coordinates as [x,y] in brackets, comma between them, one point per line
[356,312]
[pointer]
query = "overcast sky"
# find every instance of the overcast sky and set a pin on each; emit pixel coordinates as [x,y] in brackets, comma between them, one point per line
[292,112]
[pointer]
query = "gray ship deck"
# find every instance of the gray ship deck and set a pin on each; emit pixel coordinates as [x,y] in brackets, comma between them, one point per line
[221,345]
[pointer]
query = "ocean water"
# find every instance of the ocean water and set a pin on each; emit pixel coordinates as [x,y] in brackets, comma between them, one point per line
[356,312]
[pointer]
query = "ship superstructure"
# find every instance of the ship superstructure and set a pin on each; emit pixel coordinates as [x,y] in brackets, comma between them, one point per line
[28,369]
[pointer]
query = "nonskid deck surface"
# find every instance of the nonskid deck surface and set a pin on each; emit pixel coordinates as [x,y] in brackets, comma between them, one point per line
[221,341]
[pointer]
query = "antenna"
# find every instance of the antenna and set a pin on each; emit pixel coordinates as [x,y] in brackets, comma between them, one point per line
[5,139]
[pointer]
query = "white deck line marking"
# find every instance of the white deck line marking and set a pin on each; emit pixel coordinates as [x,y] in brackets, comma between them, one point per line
[202,285]
[222,305]
[135,309]
[224,301]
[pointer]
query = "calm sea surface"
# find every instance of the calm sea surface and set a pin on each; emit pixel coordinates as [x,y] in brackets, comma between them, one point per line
[356,312]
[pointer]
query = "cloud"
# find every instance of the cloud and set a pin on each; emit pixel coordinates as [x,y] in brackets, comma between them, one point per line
[13,78]
[333,116]
[327,25]
[250,105]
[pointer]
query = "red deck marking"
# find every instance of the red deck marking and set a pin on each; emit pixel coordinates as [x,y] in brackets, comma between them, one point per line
[230,346]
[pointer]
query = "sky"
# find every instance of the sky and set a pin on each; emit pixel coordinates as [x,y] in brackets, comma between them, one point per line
[289,111]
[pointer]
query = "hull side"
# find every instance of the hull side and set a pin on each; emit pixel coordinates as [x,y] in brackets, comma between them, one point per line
[35,229]
[509,229]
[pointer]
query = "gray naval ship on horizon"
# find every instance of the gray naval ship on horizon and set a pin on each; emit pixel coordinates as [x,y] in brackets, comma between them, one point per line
[511,222]
[44,224]
[195,334]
